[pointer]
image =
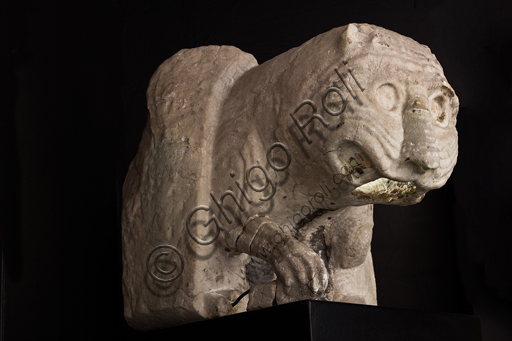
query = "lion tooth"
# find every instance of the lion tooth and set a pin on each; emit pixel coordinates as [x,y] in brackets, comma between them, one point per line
[384,190]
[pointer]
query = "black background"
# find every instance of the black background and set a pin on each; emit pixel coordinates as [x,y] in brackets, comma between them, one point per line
[73,78]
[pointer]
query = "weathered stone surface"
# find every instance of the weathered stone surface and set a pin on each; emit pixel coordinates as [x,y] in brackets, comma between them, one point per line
[282,162]
[262,296]
[170,176]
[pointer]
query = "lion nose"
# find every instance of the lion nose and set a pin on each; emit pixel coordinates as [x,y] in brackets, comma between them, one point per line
[419,145]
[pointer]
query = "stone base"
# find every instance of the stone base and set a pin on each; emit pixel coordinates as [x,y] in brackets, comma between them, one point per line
[319,320]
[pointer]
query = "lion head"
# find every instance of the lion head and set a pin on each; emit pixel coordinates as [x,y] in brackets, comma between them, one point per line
[387,115]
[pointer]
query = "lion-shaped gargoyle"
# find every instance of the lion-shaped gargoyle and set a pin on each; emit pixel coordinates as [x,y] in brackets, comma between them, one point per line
[254,184]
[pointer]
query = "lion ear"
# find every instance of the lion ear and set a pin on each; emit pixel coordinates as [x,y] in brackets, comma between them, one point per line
[347,40]
[349,35]
[351,31]
[355,34]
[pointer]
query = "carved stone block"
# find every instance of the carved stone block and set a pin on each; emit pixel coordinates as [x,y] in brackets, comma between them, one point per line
[265,176]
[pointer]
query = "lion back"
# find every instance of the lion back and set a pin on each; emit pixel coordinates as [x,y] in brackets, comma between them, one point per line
[168,278]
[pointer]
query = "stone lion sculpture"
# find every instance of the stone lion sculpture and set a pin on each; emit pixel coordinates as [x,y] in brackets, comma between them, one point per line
[261,179]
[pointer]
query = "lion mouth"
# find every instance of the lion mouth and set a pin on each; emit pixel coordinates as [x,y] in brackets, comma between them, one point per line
[368,183]
[387,191]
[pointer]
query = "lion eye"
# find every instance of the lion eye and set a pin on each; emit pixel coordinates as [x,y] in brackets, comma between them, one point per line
[387,96]
[438,108]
